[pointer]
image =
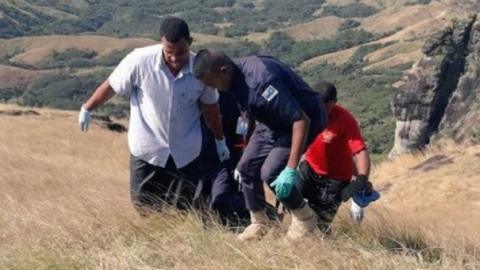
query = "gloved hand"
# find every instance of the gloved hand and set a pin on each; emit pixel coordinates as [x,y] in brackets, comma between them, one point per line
[84,119]
[222,150]
[285,183]
[359,183]
[356,212]
[237,176]
[363,198]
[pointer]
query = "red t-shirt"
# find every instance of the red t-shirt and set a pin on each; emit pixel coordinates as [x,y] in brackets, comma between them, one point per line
[331,153]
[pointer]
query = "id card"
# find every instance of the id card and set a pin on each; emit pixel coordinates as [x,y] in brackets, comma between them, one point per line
[242,126]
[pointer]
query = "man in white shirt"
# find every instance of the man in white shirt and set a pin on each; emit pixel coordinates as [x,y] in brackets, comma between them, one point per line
[166,102]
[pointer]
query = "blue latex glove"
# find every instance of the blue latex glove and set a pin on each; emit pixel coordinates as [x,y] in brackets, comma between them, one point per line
[363,199]
[285,183]
[222,150]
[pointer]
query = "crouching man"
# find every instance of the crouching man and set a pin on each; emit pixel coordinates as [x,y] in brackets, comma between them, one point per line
[330,162]
[288,116]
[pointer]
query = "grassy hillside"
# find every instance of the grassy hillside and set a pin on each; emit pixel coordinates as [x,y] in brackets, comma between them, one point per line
[65,205]
[126,18]
[54,53]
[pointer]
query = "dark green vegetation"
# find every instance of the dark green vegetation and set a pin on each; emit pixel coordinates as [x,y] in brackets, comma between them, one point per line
[294,53]
[350,11]
[79,59]
[68,92]
[139,18]
[367,94]
[69,58]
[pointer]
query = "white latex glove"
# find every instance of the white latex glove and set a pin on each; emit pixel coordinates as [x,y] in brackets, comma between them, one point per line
[84,119]
[356,212]
[237,176]
[222,149]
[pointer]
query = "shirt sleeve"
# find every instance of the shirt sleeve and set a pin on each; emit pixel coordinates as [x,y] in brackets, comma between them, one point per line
[209,96]
[123,78]
[355,140]
[278,103]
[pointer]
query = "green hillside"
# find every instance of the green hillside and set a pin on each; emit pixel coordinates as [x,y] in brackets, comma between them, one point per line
[75,71]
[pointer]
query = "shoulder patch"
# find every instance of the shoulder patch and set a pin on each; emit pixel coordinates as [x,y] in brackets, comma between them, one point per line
[269,93]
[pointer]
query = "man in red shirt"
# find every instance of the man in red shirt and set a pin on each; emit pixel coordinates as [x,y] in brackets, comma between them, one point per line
[330,162]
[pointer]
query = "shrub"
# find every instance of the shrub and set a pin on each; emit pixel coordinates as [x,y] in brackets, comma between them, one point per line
[367,96]
[348,24]
[69,58]
[353,10]
[62,91]
[294,53]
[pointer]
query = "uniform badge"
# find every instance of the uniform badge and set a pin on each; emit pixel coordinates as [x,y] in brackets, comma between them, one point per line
[269,93]
[327,136]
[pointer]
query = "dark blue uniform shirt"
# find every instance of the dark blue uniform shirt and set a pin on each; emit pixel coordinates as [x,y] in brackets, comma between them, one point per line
[273,94]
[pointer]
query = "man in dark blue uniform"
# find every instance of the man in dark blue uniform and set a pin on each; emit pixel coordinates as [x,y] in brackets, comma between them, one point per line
[289,115]
[217,189]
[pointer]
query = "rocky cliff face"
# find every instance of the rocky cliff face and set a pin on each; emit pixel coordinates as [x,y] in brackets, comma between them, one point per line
[439,95]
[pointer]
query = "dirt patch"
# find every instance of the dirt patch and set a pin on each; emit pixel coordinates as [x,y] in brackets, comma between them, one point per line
[384,187]
[106,122]
[19,113]
[433,163]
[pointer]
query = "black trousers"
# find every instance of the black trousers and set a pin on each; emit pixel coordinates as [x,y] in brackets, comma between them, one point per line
[152,187]
[322,194]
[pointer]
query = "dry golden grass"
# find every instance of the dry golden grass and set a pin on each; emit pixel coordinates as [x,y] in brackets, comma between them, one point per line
[392,50]
[321,28]
[394,55]
[258,37]
[340,2]
[337,58]
[395,17]
[204,38]
[396,60]
[438,189]
[65,205]
[407,47]
[407,25]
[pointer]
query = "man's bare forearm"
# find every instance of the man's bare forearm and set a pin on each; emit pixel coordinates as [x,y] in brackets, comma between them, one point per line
[362,162]
[213,118]
[101,95]
[299,136]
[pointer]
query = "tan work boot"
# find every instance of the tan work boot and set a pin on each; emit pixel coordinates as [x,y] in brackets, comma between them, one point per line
[304,223]
[257,228]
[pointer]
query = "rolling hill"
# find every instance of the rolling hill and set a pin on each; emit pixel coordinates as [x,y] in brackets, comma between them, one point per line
[56,44]
[65,194]
[65,205]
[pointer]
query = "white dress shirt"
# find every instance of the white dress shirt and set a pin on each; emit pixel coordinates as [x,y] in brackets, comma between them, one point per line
[164,110]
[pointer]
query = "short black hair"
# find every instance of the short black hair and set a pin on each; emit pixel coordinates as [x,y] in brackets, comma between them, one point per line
[209,60]
[327,90]
[174,29]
